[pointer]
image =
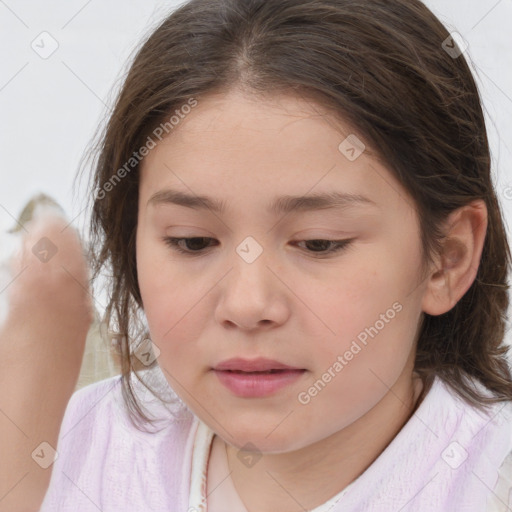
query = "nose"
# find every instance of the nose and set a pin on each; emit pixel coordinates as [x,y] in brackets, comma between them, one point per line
[252,296]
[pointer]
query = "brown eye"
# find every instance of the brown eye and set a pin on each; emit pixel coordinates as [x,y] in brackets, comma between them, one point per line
[325,247]
[194,245]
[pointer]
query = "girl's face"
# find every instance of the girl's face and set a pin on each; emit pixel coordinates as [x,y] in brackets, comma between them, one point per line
[252,286]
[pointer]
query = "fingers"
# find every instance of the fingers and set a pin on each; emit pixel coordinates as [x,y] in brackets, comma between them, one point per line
[50,272]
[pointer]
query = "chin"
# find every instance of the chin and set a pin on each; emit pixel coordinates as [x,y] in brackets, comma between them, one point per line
[263,436]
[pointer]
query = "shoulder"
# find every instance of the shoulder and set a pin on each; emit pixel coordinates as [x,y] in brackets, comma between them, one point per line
[500,500]
[494,417]
[102,405]
[100,449]
[85,402]
[490,431]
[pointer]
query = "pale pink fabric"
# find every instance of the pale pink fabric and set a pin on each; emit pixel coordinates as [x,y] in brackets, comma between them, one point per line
[105,464]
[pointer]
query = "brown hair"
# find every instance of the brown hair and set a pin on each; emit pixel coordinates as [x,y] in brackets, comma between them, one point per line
[382,67]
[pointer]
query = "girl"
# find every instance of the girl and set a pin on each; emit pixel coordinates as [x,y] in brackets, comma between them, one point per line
[295,204]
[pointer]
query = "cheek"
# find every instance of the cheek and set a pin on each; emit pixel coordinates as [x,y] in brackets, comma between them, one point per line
[360,297]
[167,298]
[372,319]
[355,370]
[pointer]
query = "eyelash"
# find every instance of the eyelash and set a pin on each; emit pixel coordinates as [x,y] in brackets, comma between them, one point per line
[339,245]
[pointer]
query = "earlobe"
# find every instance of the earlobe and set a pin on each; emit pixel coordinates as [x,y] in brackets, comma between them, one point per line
[457,265]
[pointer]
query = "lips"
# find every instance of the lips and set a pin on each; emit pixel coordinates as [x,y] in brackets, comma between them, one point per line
[261,364]
[256,378]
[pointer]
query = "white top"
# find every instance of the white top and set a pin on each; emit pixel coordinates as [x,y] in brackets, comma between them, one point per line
[220,495]
[105,463]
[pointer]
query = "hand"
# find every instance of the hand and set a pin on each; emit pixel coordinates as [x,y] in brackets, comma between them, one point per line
[42,342]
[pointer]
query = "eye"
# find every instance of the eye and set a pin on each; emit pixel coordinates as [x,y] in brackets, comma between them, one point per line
[194,242]
[196,245]
[326,247]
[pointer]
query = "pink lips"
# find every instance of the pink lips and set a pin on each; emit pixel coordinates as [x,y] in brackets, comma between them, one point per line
[257,377]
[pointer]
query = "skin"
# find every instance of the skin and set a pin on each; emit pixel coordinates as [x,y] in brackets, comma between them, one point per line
[288,304]
[285,305]
[43,335]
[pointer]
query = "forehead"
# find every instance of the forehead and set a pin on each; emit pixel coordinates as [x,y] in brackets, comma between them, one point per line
[235,146]
[224,120]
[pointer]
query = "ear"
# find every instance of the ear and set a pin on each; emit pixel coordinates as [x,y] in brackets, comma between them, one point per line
[457,265]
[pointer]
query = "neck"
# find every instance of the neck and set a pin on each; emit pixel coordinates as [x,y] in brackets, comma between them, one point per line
[303,479]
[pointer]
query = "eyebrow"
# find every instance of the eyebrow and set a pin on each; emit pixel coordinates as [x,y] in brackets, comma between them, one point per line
[280,205]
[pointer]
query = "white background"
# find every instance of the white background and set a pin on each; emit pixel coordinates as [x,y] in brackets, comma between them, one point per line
[51,107]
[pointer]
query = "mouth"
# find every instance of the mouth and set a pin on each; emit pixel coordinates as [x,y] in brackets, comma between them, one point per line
[256,378]
[259,365]
[265,372]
